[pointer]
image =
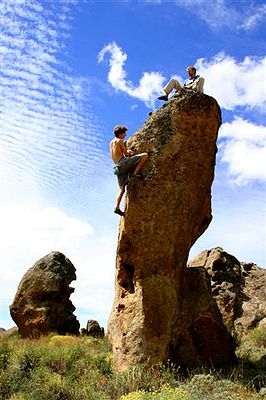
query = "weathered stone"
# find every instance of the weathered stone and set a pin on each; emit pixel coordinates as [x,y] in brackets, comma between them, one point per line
[8,332]
[93,329]
[163,310]
[238,288]
[42,304]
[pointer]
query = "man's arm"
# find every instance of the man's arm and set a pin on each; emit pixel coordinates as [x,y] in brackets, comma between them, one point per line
[124,150]
[198,84]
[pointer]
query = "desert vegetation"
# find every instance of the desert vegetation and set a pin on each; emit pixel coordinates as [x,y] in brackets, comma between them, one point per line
[80,368]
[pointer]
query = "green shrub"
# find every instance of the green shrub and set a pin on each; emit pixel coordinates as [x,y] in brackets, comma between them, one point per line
[103,364]
[5,355]
[27,363]
[165,393]
[210,387]
[252,349]
[140,377]
[80,368]
[19,396]
[257,336]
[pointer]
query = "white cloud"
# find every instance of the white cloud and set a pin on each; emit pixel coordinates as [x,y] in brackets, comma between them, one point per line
[235,83]
[241,129]
[49,137]
[255,17]
[232,83]
[221,13]
[240,230]
[150,83]
[94,287]
[215,13]
[28,234]
[37,231]
[244,150]
[50,144]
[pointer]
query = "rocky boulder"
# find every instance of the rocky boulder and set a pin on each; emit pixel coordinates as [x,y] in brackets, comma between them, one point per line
[163,310]
[93,329]
[8,332]
[239,289]
[41,304]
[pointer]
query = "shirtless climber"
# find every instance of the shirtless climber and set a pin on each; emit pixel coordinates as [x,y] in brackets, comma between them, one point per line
[195,82]
[126,164]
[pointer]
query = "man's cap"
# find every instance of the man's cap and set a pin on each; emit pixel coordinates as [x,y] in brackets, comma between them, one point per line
[120,129]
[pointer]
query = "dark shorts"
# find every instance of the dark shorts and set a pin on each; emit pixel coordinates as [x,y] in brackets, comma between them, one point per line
[127,165]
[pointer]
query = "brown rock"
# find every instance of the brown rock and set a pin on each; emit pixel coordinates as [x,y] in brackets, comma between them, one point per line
[162,310]
[93,329]
[251,305]
[8,332]
[238,288]
[42,304]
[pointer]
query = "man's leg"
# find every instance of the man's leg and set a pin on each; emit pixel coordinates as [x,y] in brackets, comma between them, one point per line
[118,201]
[144,158]
[171,85]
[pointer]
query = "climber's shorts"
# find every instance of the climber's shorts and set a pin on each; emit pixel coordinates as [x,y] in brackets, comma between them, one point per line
[126,166]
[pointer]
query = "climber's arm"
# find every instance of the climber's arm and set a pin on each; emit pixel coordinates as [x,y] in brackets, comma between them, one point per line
[126,152]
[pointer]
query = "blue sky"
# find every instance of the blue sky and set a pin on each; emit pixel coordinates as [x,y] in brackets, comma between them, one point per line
[74,69]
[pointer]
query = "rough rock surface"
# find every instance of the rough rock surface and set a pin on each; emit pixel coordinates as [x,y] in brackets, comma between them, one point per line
[93,329]
[163,310]
[238,288]
[42,304]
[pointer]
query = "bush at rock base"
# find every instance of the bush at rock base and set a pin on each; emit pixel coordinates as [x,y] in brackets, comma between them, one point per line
[165,393]
[257,336]
[81,368]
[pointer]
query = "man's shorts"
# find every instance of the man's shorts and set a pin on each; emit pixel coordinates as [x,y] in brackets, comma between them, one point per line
[127,165]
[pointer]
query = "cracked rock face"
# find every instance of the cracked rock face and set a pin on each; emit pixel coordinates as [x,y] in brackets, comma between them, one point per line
[162,310]
[239,289]
[41,304]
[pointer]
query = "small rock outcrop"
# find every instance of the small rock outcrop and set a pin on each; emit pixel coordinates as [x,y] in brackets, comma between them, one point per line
[239,289]
[163,310]
[41,304]
[8,332]
[94,329]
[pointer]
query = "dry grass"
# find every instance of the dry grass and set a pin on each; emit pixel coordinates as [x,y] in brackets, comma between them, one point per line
[71,368]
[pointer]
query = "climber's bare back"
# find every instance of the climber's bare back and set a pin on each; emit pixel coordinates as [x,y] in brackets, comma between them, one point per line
[117,149]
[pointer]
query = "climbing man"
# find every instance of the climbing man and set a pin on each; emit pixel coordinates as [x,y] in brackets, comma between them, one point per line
[195,82]
[126,164]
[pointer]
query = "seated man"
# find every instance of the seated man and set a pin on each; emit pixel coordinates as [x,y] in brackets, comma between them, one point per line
[195,82]
[126,164]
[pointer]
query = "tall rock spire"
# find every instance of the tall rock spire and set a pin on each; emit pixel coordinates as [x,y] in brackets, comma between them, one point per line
[162,310]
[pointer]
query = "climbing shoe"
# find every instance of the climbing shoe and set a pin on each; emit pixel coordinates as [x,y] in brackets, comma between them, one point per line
[119,212]
[164,97]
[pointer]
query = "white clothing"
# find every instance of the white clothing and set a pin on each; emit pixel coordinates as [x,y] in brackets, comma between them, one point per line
[195,83]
